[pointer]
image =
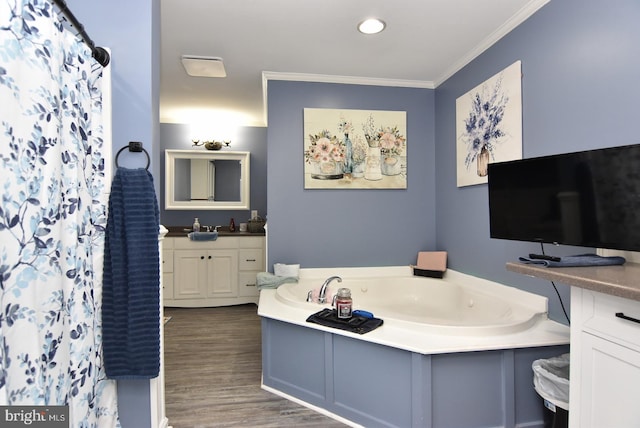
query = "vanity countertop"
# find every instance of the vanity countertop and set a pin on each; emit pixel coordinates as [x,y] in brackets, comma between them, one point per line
[180,231]
[621,281]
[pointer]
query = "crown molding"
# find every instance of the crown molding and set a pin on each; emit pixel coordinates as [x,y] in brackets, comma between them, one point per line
[347,80]
[517,19]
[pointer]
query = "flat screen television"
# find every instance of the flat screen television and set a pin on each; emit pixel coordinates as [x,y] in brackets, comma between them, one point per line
[585,199]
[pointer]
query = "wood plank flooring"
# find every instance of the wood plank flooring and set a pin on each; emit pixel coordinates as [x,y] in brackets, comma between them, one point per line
[213,372]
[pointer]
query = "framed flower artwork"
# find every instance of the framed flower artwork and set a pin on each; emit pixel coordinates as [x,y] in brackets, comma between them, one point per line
[489,125]
[355,149]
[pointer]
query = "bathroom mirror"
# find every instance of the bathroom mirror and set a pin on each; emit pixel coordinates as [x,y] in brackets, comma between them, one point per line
[206,180]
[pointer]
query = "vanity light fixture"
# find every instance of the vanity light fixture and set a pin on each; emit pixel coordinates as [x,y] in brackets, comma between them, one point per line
[371,26]
[211,145]
[203,66]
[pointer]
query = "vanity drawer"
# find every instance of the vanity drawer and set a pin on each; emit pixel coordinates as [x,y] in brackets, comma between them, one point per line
[606,317]
[252,242]
[251,259]
[247,284]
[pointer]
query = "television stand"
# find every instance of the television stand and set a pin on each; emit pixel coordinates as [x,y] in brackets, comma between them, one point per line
[619,280]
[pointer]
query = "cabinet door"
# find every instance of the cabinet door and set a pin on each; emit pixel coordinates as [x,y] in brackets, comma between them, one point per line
[190,274]
[167,286]
[222,267]
[167,260]
[167,274]
[610,378]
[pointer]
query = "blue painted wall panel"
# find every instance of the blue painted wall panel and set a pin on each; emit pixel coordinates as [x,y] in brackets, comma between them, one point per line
[457,379]
[326,228]
[301,376]
[388,399]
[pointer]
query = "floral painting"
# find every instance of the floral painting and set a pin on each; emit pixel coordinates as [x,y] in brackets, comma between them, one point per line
[489,125]
[355,149]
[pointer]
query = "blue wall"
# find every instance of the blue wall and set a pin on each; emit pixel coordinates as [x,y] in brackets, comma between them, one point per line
[249,139]
[341,228]
[131,30]
[580,91]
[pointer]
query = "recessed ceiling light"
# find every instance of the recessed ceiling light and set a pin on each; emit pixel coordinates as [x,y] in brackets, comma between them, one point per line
[203,66]
[371,26]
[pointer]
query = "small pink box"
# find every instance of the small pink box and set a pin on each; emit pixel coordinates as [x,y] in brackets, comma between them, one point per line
[431,263]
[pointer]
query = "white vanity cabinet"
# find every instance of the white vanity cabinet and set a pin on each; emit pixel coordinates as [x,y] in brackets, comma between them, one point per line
[605,341]
[213,273]
[605,361]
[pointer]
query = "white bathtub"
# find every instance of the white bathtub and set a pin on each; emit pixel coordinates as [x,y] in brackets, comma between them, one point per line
[439,305]
[425,314]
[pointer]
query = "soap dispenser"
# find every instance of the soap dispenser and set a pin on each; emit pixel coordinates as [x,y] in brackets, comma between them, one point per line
[196,225]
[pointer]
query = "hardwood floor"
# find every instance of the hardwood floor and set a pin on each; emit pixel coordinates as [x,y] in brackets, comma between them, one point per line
[213,368]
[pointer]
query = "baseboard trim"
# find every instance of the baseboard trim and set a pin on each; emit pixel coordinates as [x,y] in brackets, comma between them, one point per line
[310,406]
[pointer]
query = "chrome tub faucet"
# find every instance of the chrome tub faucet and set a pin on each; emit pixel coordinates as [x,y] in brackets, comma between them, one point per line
[322,298]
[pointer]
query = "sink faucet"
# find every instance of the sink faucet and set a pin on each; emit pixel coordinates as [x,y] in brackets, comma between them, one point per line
[322,298]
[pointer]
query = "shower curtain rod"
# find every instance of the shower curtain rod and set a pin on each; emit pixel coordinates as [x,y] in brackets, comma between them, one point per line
[100,54]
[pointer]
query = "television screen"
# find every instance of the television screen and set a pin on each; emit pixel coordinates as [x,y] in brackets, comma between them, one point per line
[586,199]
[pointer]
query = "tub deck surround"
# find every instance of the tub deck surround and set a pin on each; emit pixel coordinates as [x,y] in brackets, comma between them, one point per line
[404,373]
[520,317]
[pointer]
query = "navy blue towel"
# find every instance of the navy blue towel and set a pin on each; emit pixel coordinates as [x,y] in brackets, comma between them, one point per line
[131,284]
[577,261]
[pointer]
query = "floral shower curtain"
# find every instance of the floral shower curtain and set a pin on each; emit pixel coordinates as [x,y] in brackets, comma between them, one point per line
[52,217]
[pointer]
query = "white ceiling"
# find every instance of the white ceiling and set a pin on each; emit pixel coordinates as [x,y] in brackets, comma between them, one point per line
[425,42]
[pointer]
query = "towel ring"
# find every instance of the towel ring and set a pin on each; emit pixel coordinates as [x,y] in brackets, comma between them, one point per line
[136,147]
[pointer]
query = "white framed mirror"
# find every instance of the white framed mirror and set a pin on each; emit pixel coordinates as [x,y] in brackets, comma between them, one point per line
[206,180]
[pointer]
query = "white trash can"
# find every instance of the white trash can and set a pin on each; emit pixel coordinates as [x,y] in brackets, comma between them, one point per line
[551,382]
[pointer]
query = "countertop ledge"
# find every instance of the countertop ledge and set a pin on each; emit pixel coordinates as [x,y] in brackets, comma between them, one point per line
[621,281]
[179,231]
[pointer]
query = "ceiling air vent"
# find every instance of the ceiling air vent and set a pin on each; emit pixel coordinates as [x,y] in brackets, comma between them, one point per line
[202,66]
